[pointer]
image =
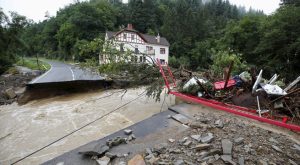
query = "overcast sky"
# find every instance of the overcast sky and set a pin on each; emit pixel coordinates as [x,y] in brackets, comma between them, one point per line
[36,9]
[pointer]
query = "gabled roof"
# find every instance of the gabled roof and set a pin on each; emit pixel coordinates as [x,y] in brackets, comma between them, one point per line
[148,38]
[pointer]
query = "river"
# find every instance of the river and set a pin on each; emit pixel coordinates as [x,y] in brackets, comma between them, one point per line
[25,129]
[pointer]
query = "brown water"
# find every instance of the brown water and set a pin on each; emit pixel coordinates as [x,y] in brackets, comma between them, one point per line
[24,129]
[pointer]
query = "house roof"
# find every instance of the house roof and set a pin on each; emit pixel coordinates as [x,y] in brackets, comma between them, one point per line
[148,38]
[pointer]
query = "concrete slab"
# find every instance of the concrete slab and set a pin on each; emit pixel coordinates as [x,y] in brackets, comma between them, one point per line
[154,130]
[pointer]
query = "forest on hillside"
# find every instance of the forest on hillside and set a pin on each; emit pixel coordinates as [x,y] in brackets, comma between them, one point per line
[203,34]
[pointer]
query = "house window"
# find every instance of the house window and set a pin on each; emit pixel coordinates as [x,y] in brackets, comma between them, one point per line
[162,51]
[132,37]
[135,58]
[149,48]
[141,58]
[124,36]
[144,59]
[136,50]
[162,61]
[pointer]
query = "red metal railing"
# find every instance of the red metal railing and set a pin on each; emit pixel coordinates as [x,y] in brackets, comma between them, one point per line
[241,111]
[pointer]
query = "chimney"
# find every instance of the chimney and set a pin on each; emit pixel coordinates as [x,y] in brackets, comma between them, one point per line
[129,26]
[158,38]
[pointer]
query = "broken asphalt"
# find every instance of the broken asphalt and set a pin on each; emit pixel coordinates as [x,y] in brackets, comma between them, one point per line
[176,129]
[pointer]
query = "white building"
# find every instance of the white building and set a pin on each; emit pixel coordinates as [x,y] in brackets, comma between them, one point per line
[144,47]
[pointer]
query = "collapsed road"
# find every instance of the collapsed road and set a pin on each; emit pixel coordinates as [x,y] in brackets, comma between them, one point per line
[61,72]
[62,79]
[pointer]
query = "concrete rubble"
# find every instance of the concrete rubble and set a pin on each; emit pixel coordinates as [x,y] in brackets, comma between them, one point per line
[235,143]
[251,145]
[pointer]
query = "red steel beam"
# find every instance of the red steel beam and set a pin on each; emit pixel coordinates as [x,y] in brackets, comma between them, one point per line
[231,110]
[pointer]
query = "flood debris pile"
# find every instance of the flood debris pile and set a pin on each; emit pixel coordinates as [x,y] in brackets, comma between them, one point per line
[13,85]
[222,140]
[269,97]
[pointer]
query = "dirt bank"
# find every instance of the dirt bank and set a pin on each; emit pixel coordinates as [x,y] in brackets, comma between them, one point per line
[15,82]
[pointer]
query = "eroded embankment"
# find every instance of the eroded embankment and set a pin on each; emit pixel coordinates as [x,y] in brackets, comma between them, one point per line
[46,90]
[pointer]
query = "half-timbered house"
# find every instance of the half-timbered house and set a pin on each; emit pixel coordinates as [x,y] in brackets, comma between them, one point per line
[145,48]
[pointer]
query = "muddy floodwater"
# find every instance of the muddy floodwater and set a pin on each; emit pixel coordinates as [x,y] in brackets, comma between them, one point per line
[25,129]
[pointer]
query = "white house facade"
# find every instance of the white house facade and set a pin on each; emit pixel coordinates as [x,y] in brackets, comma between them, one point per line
[146,48]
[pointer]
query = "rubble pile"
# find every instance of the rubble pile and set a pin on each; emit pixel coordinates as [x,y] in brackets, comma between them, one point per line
[102,155]
[210,139]
[12,85]
[221,140]
[271,98]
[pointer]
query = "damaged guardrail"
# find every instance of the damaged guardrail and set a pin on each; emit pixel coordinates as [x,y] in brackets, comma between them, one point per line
[258,99]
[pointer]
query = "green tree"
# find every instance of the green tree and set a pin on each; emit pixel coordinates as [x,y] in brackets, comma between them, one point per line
[279,47]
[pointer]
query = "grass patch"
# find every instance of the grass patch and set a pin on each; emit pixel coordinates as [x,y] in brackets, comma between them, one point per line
[12,70]
[32,64]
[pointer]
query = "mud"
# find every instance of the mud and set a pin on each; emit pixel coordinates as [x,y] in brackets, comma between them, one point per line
[24,129]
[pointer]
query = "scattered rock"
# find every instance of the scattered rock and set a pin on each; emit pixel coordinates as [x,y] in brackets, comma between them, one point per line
[196,124]
[131,137]
[296,147]
[219,123]
[171,140]
[148,151]
[228,159]
[187,143]
[262,162]
[183,140]
[175,151]
[238,141]
[277,148]
[201,147]
[208,138]
[271,139]
[292,162]
[160,148]
[96,151]
[203,163]
[110,155]
[247,148]
[103,161]
[179,162]
[226,146]
[128,131]
[241,160]
[203,119]
[153,160]
[10,93]
[137,160]
[196,137]
[180,118]
[214,152]
[116,141]
[217,156]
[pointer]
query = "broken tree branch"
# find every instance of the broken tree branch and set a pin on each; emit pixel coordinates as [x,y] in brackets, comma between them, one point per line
[228,74]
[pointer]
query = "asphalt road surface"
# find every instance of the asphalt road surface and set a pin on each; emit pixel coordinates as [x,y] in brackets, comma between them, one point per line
[61,72]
